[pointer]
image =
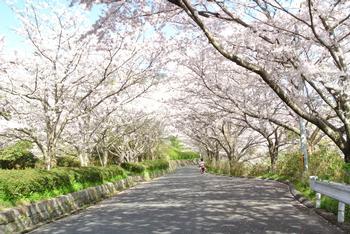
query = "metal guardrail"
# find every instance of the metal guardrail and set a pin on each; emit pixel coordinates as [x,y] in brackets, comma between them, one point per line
[340,192]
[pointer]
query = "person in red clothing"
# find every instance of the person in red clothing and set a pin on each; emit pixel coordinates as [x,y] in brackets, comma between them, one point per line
[202,166]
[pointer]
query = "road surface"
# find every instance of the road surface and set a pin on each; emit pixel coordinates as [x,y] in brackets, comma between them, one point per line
[187,202]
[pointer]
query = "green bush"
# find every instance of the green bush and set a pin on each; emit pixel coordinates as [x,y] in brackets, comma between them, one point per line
[187,155]
[238,169]
[21,184]
[175,154]
[346,169]
[290,165]
[17,156]
[224,167]
[327,165]
[150,165]
[156,165]
[133,167]
[257,169]
[175,150]
[68,161]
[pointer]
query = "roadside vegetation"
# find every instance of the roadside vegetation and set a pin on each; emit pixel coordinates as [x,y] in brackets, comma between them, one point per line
[24,179]
[324,163]
[175,150]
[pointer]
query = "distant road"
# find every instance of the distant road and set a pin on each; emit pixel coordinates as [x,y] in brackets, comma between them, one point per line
[187,202]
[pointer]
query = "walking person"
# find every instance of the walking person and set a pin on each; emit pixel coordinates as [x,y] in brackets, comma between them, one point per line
[202,166]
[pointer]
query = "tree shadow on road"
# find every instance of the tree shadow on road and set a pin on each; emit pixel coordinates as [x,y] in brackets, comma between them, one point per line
[187,202]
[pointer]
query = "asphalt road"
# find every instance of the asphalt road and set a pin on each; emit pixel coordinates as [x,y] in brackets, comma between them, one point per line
[187,202]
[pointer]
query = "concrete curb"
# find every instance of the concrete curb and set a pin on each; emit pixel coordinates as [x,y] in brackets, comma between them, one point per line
[26,218]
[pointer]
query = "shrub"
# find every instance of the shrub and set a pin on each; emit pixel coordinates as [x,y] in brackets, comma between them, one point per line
[150,165]
[327,165]
[175,150]
[175,154]
[68,161]
[219,167]
[133,167]
[17,156]
[257,169]
[156,165]
[16,185]
[290,165]
[347,173]
[238,169]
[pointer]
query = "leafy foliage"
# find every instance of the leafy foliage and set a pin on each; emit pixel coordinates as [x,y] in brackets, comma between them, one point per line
[16,185]
[224,168]
[133,167]
[176,151]
[175,142]
[347,173]
[290,165]
[17,156]
[68,161]
[155,165]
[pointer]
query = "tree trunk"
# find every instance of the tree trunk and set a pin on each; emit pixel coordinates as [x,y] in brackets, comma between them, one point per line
[346,152]
[105,158]
[217,151]
[273,153]
[303,143]
[232,167]
[83,157]
[50,155]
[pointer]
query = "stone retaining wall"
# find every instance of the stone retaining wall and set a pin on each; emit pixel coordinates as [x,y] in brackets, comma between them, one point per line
[25,218]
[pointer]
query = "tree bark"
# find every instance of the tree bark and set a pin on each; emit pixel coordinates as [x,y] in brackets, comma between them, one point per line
[105,158]
[346,152]
[273,153]
[84,159]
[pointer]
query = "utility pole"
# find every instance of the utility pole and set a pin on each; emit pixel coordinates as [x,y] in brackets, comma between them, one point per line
[302,122]
[303,143]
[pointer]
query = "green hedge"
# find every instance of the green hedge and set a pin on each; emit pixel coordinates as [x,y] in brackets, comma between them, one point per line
[22,184]
[18,186]
[68,161]
[133,167]
[151,165]
[175,154]
[154,165]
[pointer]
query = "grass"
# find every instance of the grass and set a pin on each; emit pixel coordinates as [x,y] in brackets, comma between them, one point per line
[151,167]
[35,197]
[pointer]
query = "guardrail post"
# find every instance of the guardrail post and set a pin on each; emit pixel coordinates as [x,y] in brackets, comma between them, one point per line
[341,212]
[318,200]
[337,191]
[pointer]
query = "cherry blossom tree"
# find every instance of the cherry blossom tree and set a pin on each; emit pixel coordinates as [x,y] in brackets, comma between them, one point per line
[135,137]
[3,71]
[291,45]
[68,75]
[224,88]
[216,131]
[309,45]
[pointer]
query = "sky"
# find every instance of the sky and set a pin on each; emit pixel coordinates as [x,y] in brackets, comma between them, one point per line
[9,22]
